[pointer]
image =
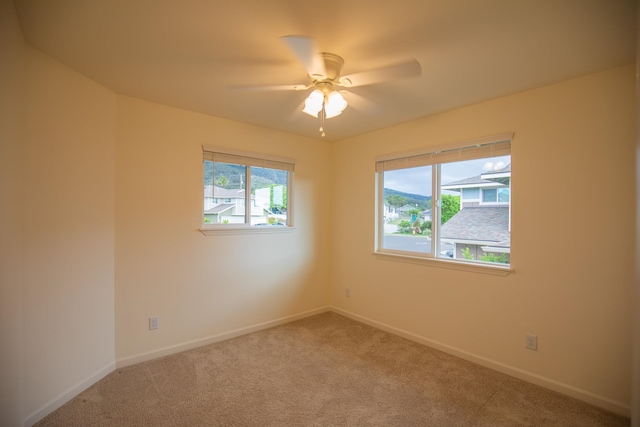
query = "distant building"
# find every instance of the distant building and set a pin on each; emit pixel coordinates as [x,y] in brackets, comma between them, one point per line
[222,206]
[483,222]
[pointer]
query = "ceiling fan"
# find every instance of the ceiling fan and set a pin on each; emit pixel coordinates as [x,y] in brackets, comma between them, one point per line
[324,73]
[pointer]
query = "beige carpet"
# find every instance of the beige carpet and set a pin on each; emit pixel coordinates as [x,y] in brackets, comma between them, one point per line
[325,370]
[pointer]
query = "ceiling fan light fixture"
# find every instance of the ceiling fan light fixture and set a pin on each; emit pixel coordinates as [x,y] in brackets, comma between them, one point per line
[334,105]
[313,103]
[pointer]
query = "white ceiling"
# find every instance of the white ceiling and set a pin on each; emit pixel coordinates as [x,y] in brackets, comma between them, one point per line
[185,53]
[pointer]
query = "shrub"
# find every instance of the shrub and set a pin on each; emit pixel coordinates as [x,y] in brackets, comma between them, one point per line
[491,257]
[466,254]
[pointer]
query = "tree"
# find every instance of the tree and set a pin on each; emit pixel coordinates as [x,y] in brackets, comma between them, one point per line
[450,207]
[222,181]
[396,200]
[276,207]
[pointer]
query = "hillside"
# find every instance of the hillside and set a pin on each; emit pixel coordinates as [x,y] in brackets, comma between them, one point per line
[423,202]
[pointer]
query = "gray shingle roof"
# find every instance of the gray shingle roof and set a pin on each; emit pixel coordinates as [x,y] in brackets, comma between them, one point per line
[224,193]
[505,169]
[483,223]
[484,179]
[218,208]
[467,181]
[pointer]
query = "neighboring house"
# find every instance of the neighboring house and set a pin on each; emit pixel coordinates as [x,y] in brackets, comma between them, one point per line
[222,205]
[483,222]
[393,212]
[390,212]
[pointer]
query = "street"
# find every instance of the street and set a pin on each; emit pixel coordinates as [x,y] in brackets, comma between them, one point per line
[403,242]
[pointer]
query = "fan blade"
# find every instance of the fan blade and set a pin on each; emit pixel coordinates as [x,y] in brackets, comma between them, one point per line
[307,53]
[268,87]
[360,103]
[409,68]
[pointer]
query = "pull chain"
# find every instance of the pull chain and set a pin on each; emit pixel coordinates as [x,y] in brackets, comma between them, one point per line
[322,125]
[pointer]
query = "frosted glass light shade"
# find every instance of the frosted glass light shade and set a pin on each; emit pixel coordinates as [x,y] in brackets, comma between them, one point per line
[313,103]
[335,104]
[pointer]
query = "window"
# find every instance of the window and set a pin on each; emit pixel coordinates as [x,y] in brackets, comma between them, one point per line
[452,204]
[246,190]
[495,195]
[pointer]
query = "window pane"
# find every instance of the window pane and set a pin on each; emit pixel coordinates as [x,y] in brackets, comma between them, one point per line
[475,231]
[269,196]
[503,195]
[209,200]
[224,193]
[407,209]
[471,193]
[489,195]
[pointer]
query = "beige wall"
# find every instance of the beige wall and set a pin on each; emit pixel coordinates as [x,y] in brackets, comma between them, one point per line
[12,93]
[69,233]
[204,286]
[572,240]
[58,230]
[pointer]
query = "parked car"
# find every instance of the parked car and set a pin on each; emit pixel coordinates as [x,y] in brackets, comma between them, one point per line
[447,253]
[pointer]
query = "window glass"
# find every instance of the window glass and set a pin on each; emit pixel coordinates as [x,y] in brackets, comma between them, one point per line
[226,182]
[259,184]
[471,193]
[489,195]
[457,210]
[503,195]
[269,196]
[407,209]
[472,231]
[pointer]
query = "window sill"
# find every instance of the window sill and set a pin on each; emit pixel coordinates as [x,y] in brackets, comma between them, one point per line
[449,264]
[219,231]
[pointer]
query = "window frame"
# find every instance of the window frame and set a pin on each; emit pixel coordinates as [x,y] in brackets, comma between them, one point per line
[248,159]
[437,156]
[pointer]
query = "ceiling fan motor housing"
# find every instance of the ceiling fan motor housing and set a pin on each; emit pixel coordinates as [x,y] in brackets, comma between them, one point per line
[332,65]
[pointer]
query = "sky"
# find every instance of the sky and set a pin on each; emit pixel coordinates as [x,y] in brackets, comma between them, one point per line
[418,180]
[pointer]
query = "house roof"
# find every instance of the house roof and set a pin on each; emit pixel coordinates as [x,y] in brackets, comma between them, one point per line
[486,179]
[506,169]
[503,175]
[225,193]
[474,181]
[218,208]
[489,224]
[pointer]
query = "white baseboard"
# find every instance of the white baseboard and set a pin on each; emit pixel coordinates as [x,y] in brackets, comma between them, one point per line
[69,394]
[166,351]
[594,399]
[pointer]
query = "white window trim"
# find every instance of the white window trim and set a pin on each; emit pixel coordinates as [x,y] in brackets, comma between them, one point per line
[218,230]
[422,157]
[249,159]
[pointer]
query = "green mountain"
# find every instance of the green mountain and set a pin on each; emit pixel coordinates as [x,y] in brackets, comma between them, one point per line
[234,175]
[423,202]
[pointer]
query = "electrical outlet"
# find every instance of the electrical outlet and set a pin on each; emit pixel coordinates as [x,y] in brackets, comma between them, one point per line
[532,342]
[347,292]
[154,322]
